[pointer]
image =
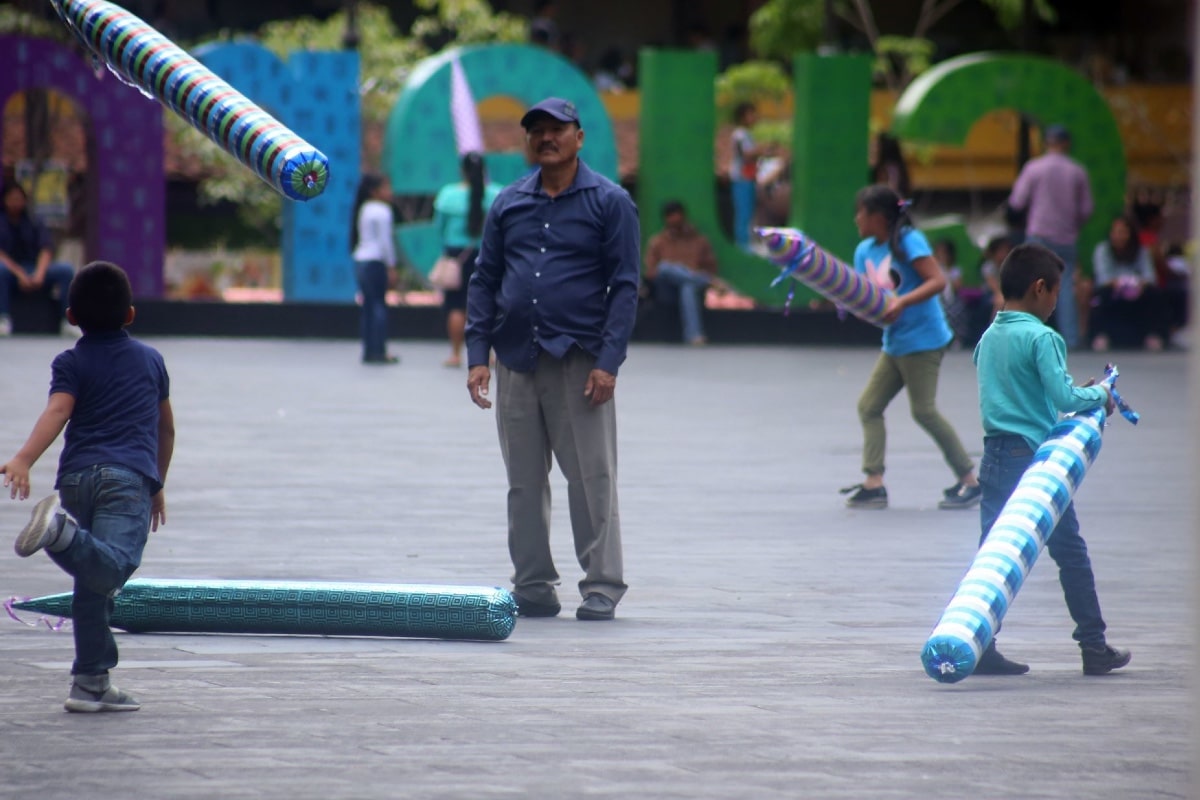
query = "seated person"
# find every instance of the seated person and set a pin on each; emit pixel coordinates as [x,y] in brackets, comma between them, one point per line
[25,253]
[681,264]
[1176,287]
[1128,299]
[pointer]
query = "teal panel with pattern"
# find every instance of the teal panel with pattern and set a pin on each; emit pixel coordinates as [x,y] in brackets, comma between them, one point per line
[316,95]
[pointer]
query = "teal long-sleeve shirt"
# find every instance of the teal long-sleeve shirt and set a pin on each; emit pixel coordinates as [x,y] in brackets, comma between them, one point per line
[1021,365]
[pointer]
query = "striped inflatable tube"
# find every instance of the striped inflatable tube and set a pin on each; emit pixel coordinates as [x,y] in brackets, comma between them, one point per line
[804,261]
[303,608]
[1012,546]
[145,59]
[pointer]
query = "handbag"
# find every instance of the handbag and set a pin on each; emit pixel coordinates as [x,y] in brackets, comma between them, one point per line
[446,273]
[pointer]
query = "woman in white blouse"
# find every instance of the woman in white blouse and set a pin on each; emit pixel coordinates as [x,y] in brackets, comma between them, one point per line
[371,232]
[1128,302]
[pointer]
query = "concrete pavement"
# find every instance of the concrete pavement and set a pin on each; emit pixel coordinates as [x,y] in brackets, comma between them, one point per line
[768,646]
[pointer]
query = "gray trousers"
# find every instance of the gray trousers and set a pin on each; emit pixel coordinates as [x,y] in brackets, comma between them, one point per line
[544,413]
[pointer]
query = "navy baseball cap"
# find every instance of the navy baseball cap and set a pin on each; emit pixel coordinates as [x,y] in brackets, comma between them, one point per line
[556,107]
[1057,133]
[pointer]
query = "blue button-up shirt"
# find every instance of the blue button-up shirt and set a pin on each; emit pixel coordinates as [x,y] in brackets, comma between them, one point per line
[555,272]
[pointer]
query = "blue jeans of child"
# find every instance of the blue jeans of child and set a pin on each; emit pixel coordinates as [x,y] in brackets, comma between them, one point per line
[745,197]
[1066,314]
[1005,459]
[57,275]
[687,284]
[111,505]
[372,282]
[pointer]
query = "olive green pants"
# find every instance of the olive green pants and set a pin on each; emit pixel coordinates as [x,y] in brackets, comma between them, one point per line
[917,372]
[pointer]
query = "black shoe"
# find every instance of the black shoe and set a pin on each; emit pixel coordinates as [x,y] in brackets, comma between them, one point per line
[953,490]
[965,497]
[530,608]
[864,497]
[1103,660]
[993,663]
[381,360]
[596,607]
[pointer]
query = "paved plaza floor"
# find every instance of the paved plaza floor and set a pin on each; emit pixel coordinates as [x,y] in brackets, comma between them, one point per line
[768,646]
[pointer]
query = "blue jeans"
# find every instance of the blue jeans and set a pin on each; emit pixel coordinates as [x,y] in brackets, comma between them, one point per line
[745,197]
[372,282]
[57,275]
[1005,459]
[1066,315]
[688,285]
[111,505]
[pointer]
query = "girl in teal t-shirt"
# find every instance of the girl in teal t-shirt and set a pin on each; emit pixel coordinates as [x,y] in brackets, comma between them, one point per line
[896,255]
[458,214]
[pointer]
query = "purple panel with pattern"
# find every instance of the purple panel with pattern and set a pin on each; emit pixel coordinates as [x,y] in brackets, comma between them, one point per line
[126,216]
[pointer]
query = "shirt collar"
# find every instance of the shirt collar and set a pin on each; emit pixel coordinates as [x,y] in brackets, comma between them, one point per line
[585,178]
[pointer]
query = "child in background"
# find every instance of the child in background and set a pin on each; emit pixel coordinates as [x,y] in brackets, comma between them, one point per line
[913,346]
[1023,387]
[111,393]
[952,301]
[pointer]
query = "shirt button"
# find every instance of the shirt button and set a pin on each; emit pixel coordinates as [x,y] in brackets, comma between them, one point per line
[547,225]
[543,249]
[535,327]
[537,274]
[535,301]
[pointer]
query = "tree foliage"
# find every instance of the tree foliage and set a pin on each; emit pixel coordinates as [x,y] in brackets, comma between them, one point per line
[783,27]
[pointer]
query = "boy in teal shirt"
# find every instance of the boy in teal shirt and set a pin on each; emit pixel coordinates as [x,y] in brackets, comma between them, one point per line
[1023,387]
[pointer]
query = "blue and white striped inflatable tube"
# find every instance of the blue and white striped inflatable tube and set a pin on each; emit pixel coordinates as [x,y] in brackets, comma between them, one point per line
[1012,546]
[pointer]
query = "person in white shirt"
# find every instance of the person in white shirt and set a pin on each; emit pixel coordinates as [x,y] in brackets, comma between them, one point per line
[374,256]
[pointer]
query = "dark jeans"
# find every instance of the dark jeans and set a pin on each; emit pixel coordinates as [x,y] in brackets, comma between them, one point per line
[57,275]
[112,507]
[1133,320]
[372,282]
[1005,459]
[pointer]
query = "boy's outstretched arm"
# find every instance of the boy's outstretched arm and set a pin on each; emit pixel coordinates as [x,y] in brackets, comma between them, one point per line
[166,448]
[59,408]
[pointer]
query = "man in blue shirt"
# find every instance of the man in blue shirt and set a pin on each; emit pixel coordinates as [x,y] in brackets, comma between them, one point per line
[554,293]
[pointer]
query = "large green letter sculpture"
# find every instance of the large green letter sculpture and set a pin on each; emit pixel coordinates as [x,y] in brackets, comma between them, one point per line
[942,105]
[677,126]
[420,154]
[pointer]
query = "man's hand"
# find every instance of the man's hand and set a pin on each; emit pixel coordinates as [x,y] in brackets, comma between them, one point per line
[600,386]
[25,282]
[477,384]
[37,280]
[16,478]
[158,510]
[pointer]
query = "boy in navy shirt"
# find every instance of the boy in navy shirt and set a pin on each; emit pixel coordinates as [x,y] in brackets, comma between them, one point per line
[111,394]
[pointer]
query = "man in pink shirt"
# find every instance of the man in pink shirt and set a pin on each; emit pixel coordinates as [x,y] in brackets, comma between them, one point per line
[1053,188]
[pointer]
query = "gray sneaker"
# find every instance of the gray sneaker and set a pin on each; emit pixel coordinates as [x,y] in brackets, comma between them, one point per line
[84,700]
[43,528]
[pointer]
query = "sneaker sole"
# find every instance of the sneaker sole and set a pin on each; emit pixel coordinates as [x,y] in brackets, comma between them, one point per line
[946,505]
[874,505]
[1107,668]
[33,536]
[93,706]
[592,616]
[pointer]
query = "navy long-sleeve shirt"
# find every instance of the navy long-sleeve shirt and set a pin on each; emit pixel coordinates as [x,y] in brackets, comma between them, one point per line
[554,272]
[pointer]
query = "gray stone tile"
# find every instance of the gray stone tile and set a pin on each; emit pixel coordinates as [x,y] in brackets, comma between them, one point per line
[768,646]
